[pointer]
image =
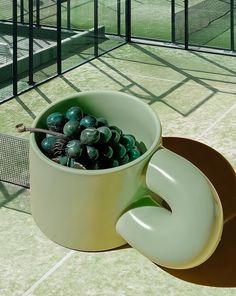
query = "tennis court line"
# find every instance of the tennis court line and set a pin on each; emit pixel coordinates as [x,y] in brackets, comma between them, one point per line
[215,123]
[48,273]
[196,84]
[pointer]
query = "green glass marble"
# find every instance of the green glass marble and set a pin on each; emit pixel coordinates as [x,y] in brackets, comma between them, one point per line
[92,153]
[74,113]
[63,160]
[72,128]
[48,143]
[128,141]
[141,147]
[101,122]
[124,159]
[95,165]
[90,141]
[113,163]
[114,127]
[115,137]
[88,121]
[105,134]
[89,136]
[73,149]
[134,154]
[72,162]
[106,151]
[55,121]
[119,151]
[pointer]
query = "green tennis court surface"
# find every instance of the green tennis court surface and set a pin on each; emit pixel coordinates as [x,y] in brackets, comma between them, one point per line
[209,20]
[209,26]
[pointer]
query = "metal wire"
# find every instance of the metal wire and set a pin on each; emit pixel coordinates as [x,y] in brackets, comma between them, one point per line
[208,19]
[14,160]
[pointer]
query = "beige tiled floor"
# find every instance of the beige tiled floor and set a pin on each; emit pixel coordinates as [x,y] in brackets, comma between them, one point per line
[194,95]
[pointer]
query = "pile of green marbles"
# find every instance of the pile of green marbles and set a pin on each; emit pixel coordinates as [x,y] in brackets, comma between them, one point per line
[87,142]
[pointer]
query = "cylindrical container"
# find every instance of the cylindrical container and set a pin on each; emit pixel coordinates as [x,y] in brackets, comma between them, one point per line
[79,208]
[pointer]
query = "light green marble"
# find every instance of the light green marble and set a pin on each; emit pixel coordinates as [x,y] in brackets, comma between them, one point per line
[194,96]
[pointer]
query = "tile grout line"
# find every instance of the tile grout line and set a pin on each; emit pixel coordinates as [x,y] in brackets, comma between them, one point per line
[47,274]
[218,120]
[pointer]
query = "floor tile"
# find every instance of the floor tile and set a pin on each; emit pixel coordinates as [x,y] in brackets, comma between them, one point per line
[26,254]
[198,67]
[153,70]
[222,136]
[195,123]
[14,197]
[125,272]
[194,95]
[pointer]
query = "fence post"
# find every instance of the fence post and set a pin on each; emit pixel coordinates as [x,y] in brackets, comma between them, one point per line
[232,25]
[128,20]
[22,11]
[59,62]
[95,28]
[37,13]
[68,15]
[186,39]
[173,21]
[118,17]
[31,44]
[14,37]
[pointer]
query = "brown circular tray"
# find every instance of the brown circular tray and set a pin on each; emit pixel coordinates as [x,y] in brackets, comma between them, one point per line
[220,269]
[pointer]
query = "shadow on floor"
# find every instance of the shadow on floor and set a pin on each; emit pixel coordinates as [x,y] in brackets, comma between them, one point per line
[219,269]
[14,197]
[157,61]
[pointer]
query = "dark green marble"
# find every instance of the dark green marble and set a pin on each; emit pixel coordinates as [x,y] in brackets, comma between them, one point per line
[113,163]
[116,128]
[89,136]
[134,154]
[115,137]
[72,128]
[105,134]
[63,160]
[119,151]
[124,159]
[88,121]
[102,122]
[106,151]
[128,141]
[74,113]
[48,143]
[73,149]
[92,153]
[55,121]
